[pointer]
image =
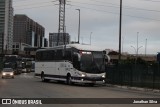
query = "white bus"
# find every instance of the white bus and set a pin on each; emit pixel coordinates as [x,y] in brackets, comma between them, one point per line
[73,63]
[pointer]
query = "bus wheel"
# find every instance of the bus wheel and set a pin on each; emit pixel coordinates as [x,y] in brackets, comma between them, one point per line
[68,80]
[91,84]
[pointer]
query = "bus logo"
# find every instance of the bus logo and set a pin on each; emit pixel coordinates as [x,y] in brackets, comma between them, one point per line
[6,101]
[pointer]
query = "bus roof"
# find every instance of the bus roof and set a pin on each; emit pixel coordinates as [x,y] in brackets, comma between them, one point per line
[85,47]
[77,46]
[11,55]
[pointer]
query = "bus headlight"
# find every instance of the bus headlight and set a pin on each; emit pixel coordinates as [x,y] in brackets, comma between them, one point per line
[103,76]
[83,75]
[3,73]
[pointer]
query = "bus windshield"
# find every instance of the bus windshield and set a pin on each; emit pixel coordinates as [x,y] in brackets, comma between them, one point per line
[92,62]
[10,58]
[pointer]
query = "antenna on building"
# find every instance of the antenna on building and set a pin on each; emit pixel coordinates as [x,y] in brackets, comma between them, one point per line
[61,28]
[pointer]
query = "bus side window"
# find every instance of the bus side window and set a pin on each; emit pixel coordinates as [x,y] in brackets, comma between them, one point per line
[52,55]
[68,56]
[38,56]
[59,55]
[44,55]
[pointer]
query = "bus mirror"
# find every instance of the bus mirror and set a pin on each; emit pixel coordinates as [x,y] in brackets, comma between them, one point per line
[104,52]
[76,56]
[107,58]
[76,61]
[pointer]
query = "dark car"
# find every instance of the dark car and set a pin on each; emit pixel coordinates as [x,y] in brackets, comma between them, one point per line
[7,72]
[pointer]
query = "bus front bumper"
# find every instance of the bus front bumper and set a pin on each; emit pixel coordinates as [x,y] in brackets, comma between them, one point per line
[95,80]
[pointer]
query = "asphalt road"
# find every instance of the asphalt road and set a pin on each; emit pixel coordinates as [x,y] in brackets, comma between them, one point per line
[26,86]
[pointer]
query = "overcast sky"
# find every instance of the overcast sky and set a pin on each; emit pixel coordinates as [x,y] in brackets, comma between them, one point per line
[101,17]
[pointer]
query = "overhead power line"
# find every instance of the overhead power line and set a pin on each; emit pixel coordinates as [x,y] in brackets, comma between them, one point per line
[105,4]
[117,13]
[31,4]
[35,7]
[117,6]
[15,1]
[89,9]
[22,1]
[151,0]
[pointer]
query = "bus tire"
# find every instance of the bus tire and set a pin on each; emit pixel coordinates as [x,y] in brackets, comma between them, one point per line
[68,80]
[91,84]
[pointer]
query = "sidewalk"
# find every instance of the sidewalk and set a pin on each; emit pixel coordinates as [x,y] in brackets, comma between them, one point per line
[134,88]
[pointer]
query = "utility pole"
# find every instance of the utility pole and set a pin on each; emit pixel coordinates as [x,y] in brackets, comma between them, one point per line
[61,19]
[79,25]
[120,30]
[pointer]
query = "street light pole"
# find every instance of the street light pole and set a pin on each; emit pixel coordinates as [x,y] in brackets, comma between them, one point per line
[134,49]
[136,55]
[122,43]
[136,52]
[137,44]
[78,25]
[90,37]
[146,47]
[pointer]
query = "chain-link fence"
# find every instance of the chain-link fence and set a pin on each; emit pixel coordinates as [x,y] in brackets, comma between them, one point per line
[138,75]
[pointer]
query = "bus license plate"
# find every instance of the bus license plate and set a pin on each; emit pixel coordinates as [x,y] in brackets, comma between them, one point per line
[93,81]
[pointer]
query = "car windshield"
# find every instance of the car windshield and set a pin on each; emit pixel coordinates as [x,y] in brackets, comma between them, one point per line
[7,70]
[92,62]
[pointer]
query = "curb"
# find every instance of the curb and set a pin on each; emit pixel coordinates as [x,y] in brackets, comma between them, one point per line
[134,88]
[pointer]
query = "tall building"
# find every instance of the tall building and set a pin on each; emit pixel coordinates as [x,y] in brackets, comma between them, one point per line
[45,42]
[53,38]
[28,31]
[6,25]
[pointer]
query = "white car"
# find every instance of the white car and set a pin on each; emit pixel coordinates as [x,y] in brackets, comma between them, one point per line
[7,72]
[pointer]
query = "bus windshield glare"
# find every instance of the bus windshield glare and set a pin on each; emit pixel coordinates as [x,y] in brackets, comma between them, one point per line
[92,62]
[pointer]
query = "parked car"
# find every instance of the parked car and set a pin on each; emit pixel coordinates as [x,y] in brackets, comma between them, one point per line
[7,72]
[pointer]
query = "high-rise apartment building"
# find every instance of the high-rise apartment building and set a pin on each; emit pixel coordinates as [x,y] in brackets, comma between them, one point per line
[45,42]
[6,25]
[28,31]
[53,39]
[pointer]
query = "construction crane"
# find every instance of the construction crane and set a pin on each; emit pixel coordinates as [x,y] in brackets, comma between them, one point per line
[61,28]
